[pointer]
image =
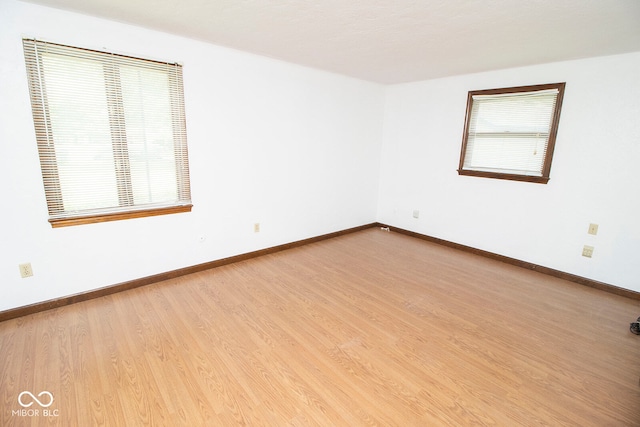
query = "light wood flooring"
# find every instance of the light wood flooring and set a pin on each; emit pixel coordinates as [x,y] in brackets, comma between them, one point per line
[369,328]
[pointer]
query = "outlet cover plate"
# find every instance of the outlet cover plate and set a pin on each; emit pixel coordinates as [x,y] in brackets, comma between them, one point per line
[25,270]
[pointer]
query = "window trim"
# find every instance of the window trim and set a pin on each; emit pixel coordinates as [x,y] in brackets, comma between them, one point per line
[116,216]
[126,209]
[553,130]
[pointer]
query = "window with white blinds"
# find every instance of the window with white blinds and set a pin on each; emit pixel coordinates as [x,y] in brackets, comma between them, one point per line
[110,131]
[510,133]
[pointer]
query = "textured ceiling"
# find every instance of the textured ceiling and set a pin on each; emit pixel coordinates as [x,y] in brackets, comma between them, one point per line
[391,41]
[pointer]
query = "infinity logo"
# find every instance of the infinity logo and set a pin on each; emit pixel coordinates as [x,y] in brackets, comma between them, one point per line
[44,405]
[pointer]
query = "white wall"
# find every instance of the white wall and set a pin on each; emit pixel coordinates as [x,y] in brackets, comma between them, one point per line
[594,175]
[292,148]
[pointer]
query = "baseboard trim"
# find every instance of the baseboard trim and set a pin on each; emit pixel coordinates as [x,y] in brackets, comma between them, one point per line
[144,281]
[136,283]
[524,264]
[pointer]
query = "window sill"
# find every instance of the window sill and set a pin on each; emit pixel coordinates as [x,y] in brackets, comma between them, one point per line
[507,176]
[90,219]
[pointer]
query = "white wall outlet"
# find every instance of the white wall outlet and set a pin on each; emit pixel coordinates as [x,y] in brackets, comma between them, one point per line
[25,270]
[416,213]
[593,229]
[256,227]
[587,251]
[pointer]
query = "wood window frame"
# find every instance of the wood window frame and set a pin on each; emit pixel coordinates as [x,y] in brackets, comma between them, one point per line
[127,208]
[544,176]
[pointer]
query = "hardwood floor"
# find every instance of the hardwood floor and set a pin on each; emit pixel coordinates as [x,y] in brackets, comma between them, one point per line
[370,328]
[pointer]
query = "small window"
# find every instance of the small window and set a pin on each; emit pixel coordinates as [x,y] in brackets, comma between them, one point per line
[111,134]
[510,133]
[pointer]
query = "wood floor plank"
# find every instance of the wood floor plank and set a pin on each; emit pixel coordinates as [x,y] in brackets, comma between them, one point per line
[368,328]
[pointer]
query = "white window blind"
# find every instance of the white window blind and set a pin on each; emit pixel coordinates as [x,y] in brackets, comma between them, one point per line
[512,132]
[110,130]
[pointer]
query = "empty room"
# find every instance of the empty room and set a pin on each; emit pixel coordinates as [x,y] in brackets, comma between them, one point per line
[320,213]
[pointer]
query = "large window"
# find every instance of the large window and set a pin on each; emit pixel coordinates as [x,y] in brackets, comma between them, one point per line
[510,133]
[111,134]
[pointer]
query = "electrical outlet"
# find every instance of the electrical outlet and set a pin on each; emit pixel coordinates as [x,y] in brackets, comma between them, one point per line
[25,270]
[593,229]
[587,251]
[256,227]
[416,214]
